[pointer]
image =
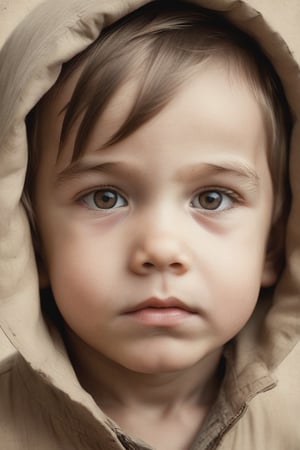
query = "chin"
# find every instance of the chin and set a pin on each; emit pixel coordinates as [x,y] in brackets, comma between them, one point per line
[152,365]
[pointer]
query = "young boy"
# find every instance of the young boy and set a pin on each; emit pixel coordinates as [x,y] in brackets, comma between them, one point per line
[158,195]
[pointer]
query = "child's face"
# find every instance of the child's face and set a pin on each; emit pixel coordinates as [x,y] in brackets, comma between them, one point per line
[155,247]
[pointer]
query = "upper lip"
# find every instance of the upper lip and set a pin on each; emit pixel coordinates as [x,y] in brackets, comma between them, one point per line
[160,303]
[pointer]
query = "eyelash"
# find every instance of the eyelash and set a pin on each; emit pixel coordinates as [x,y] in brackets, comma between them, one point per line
[103,189]
[231,196]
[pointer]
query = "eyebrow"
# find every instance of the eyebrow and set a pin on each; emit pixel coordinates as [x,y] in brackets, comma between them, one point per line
[80,167]
[237,169]
[192,173]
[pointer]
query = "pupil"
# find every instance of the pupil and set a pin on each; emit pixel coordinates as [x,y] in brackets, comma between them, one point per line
[105,199]
[211,200]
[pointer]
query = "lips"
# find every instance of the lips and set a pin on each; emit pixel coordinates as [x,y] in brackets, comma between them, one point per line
[162,313]
[157,303]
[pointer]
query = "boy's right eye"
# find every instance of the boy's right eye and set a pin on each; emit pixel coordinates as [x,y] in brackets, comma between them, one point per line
[104,199]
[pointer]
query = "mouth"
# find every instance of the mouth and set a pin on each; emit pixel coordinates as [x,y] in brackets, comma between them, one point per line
[166,312]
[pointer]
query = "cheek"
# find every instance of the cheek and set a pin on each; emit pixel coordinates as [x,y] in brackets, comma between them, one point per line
[77,252]
[234,281]
[236,308]
[81,272]
[83,294]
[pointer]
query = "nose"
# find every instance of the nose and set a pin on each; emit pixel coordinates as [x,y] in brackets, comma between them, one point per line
[162,253]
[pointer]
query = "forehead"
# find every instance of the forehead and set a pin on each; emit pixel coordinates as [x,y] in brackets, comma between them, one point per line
[217,73]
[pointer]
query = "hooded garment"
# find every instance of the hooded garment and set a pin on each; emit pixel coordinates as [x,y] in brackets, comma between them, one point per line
[42,405]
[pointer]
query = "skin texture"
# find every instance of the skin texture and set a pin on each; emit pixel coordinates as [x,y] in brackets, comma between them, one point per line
[180,209]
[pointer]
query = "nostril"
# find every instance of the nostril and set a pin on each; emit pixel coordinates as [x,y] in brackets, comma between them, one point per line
[146,259]
[177,268]
[176,265]
[148,265]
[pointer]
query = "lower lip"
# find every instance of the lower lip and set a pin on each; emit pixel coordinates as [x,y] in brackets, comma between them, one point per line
[162,317]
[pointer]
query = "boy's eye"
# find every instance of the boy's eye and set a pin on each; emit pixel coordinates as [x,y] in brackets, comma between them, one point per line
[104,199]
[212,200]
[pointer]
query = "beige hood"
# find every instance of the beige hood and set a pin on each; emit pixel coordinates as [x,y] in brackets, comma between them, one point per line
[51,32]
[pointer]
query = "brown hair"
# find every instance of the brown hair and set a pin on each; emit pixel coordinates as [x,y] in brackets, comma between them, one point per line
[160,45]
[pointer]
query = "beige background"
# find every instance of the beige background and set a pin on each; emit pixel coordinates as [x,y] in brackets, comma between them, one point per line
[284,17]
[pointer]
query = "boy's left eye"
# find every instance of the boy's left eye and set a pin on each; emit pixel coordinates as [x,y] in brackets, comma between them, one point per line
[212,200]
[104,199]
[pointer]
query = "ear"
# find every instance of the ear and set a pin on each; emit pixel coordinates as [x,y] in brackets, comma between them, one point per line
[274,259]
